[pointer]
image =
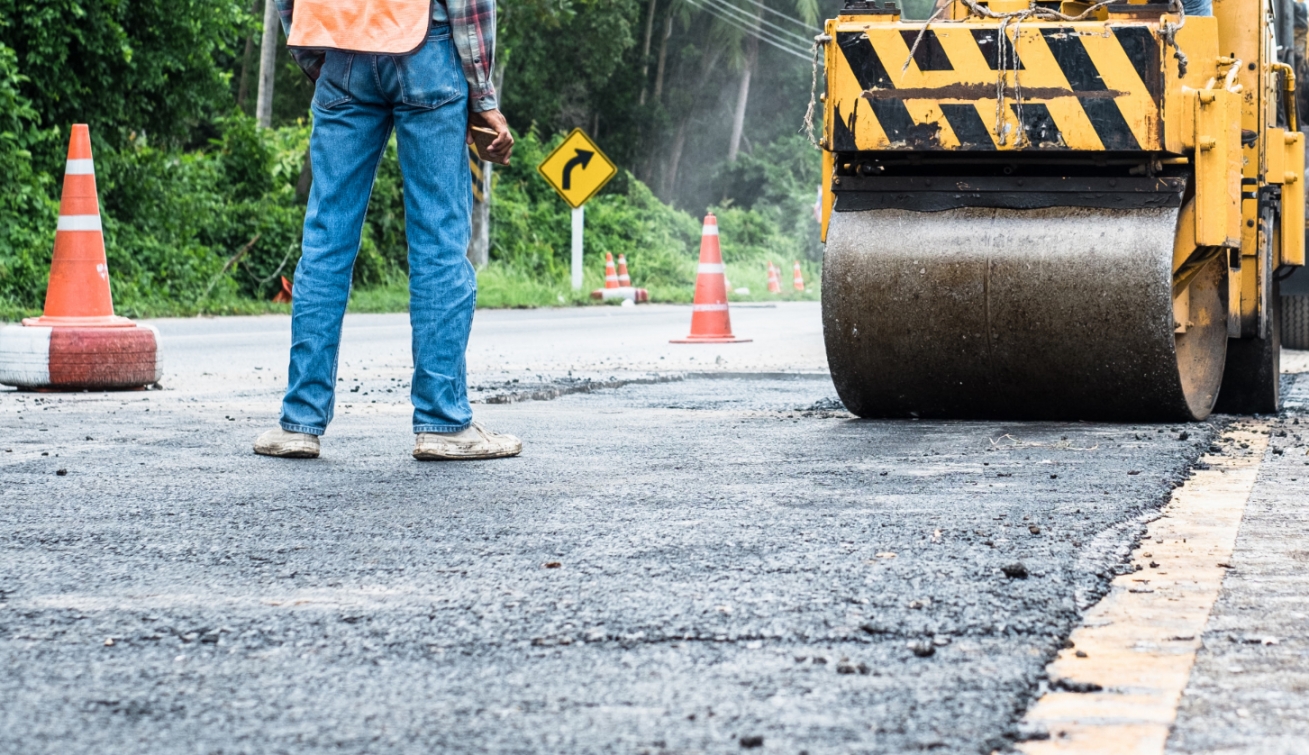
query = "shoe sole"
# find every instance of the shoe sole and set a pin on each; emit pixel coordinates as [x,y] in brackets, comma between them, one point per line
[299,453]
[436,456]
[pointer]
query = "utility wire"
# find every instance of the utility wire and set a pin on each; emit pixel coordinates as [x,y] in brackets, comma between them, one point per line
[751,19]
[792,19]
[785,45]
[780,30]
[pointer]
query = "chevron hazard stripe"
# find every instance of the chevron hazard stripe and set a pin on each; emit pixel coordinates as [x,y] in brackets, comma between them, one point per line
[1066,87]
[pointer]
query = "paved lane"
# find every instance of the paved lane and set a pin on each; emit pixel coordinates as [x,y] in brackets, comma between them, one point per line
[675,567]
[513,343]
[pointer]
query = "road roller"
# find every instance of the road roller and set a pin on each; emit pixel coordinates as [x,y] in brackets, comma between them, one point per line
[1058,210]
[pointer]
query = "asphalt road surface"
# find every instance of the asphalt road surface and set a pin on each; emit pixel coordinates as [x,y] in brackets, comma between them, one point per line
[699,551]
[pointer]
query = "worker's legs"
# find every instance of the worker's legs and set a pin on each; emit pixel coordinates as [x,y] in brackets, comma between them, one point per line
[431,122]
[1198,7]
[352,123]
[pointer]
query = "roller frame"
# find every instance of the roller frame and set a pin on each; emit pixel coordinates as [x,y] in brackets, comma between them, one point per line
[1223,144]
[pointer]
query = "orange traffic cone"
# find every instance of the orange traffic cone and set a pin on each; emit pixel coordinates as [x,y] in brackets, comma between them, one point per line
[710,322]
[774,284]
[283,295]
[618,285]
[611,275]
[78,343]
[798,277]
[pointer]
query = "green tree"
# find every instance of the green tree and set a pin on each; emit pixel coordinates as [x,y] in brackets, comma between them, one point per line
[674,111]
[918,9]
[25,203]
[125,67]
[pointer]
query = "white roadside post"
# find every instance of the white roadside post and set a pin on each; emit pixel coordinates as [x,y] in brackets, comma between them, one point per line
[579,222]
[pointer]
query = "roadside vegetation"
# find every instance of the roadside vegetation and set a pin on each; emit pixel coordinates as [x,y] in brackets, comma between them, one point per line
[202,208]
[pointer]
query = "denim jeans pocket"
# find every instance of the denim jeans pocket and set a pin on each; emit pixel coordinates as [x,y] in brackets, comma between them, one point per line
[432,76]
[333,86]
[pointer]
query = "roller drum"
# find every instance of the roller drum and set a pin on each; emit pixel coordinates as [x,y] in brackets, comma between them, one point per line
[1060,313]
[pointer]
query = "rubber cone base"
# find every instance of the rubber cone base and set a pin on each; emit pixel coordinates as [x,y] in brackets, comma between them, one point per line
[79,359]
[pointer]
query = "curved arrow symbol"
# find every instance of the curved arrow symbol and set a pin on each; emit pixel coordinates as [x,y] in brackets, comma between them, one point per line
[582,158]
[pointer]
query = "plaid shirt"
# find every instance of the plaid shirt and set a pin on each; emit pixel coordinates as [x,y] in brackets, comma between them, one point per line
[472,25]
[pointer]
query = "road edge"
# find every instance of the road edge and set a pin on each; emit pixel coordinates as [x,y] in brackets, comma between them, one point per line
[1117,684]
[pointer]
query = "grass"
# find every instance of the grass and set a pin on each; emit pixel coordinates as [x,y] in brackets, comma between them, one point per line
[140,310]
[505,287]
[392,297]
[498,287]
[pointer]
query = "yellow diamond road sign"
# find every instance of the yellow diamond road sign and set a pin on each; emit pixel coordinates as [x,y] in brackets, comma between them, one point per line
[577,169]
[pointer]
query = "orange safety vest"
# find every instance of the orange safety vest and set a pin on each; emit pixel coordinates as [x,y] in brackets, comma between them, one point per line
[388,27]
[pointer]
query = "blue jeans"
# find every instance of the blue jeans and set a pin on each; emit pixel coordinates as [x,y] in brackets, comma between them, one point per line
[358,101]
[1198,7]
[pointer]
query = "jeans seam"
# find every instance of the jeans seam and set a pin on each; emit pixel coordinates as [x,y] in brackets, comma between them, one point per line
[427,106]
[291,427]
[442,428]
[381,155]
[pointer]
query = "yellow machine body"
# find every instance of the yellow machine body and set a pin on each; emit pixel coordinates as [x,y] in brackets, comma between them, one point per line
[1107,110]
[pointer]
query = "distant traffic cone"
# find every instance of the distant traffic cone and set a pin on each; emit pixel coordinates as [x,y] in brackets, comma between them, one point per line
[774,284]
[798,277]
[283,295]
[618,285]
[78,343]
[611,276]
[710,322]
[634,295]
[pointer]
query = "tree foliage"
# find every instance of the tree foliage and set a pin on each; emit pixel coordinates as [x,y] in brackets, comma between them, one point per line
[201,210]
[580,63]
[25,202]
[124,67]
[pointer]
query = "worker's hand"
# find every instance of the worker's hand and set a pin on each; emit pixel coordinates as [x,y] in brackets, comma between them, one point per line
[503,146]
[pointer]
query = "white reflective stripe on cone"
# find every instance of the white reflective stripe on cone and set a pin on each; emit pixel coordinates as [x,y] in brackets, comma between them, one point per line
[83,167]
[708,307]
[710,230]
[78,223]
[25,356]
[710,267]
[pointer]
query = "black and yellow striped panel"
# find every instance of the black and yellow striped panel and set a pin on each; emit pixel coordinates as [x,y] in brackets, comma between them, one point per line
[1082,86]
[475,168]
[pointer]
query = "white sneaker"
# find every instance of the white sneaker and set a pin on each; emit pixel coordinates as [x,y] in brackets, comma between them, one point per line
[279,442]
[474,442]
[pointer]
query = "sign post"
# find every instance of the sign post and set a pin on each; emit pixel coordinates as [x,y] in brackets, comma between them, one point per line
[579,222]
[576,170]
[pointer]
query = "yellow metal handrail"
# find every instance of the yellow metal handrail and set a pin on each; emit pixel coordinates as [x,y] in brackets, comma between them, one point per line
[1288,94]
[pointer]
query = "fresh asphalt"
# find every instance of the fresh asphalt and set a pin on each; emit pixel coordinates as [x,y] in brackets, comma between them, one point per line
[714,563]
